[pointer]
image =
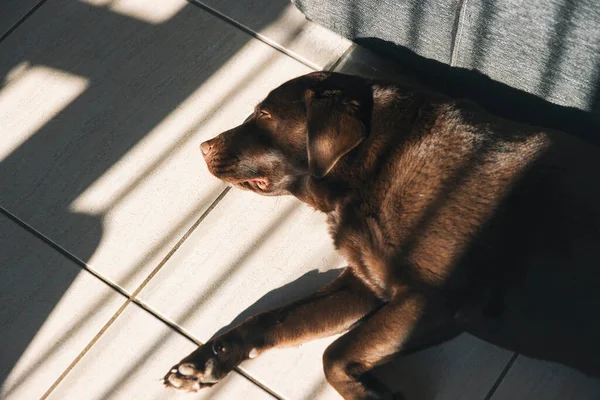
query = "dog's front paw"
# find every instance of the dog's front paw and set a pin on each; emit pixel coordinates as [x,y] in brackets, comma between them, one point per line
[204,367]
[188,377]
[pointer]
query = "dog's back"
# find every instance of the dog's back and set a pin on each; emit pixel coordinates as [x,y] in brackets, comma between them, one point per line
[547,259]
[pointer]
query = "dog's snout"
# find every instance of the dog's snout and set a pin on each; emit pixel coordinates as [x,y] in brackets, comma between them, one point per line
[206,147]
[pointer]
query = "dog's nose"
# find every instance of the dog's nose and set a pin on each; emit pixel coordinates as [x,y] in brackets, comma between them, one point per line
[205,147]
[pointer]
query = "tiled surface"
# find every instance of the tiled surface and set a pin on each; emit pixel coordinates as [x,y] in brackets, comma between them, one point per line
[285,26]
[107,147]
[251,245]
[534,379]
[248,247]
[131,357]
[464,368]
[102,107]
[51,308]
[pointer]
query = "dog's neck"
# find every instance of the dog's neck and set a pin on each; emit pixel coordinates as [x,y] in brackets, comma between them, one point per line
[326,193]
[321,194]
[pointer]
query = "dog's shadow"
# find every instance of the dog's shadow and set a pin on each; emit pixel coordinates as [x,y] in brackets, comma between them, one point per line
[418,374]
[302,287]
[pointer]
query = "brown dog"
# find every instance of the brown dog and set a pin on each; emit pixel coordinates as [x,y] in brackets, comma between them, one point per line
[450,219]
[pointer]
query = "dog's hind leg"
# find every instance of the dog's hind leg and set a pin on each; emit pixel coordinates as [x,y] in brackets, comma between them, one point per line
[408,323]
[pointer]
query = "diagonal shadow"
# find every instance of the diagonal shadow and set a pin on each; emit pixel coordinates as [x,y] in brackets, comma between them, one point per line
[249,75]
[302,287]
[83,319]
[557,45]
[138,74]
[226,273]
[171,234]
[482,37]
[417,13]
[29,152]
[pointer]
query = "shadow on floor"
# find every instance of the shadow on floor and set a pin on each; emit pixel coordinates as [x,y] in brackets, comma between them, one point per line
[302,287]
[496,97]
[137,73]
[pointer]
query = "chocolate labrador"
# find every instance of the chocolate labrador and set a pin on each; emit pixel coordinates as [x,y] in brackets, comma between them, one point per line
[451,220]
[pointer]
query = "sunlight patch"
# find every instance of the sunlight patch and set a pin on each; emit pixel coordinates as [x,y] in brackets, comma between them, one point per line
[30,98]
[212,108]
[154,12]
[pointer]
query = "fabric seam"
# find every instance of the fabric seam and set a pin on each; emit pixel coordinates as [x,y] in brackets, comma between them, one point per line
[456,40]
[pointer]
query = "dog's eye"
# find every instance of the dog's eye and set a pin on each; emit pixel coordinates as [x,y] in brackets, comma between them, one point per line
[263,114]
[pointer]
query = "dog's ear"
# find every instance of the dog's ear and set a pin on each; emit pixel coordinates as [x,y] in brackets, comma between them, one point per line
[335,126]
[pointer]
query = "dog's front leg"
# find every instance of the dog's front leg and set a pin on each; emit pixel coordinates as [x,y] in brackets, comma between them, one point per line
[331,310]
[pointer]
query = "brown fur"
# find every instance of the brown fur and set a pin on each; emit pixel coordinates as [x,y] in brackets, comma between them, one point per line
[450,220]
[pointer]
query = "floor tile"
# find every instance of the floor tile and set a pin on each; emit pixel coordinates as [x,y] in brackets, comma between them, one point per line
[252,253]
[129,359]
[51,308]
[463,369]
[364,62]
[103,107]
[12,11]
[282,23]
[534,379]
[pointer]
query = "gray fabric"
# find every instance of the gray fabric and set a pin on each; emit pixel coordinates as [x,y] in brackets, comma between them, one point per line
[550,48]
[403,22]
[522,59]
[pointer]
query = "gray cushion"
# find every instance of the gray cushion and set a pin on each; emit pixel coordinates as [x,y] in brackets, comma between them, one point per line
[547,47]
[537,61]
[401,22]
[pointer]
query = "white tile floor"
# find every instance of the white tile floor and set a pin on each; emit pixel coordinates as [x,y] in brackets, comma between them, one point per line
[102,107]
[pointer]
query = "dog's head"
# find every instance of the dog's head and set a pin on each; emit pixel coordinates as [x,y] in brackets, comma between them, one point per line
[303,127]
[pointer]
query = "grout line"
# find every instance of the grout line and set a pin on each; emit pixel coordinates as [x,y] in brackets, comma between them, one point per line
[63,251]
[180,242]
[457,31]
[182,331]
[86,349]
[130,298]
[21,20]
[502,375]
[146,307]
[344,55]
[256,35]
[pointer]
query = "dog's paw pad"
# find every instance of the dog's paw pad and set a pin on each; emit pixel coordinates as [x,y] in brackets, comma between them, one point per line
[186,378]
[186,369]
